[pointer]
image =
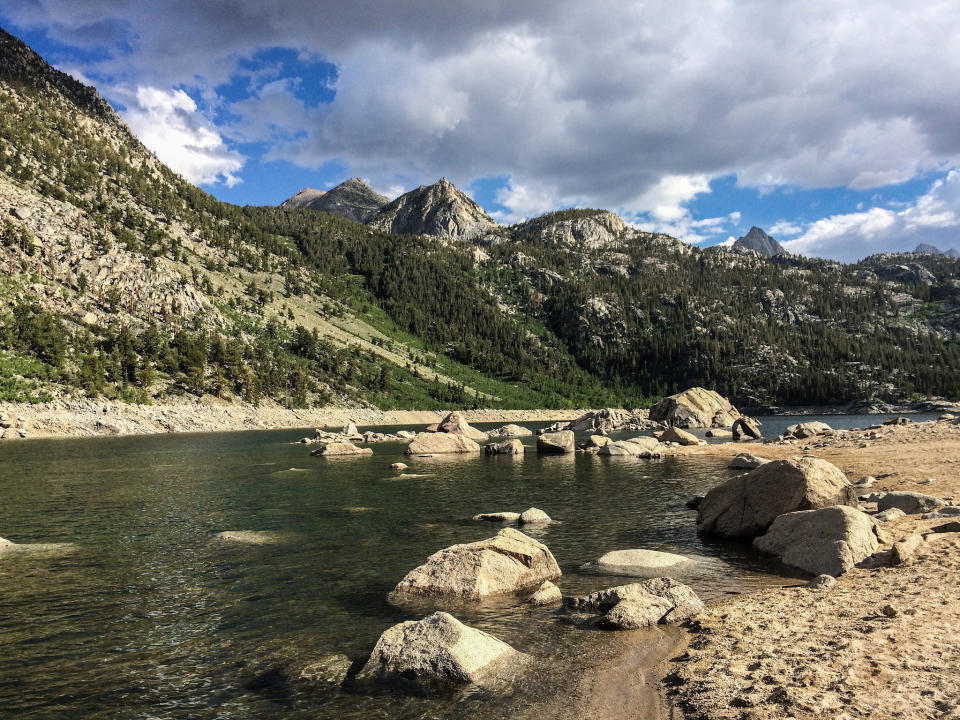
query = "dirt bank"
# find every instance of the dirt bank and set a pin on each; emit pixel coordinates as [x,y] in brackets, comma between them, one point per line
[70,417]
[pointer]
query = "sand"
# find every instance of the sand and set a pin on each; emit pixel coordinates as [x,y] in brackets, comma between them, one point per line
[881,643]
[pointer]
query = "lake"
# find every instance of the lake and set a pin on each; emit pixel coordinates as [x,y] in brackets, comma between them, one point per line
[152,617]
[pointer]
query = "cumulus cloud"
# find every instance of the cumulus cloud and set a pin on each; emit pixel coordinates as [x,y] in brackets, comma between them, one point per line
[785,229]
[633,106]
[933,218]
[169,124]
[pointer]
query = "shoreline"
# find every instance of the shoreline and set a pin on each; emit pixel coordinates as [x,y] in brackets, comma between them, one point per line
[91,418]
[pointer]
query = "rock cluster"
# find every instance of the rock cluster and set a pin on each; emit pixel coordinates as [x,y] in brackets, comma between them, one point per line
[641,604]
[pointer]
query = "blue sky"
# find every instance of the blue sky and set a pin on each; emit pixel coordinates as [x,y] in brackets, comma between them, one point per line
[831,125]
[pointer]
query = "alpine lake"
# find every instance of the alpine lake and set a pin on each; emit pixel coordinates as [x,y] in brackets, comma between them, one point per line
[149,615]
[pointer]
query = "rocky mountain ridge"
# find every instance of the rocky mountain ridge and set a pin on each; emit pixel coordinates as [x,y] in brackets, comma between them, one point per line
[353,199]
[439,209]
[758,241]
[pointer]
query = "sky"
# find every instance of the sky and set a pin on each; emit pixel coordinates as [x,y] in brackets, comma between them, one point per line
[832,124]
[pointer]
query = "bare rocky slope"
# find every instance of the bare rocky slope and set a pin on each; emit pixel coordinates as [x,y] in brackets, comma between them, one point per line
[352,199]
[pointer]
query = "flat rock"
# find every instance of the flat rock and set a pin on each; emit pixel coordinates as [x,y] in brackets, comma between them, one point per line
[746,461]
[827,541]
[341,449]
[745,506]
[948,511]
[719,433]
[506,563]
[438,650]
[641,604]
[636,562]
[910,502]
[510,430]
[441,444]
[889,514]
[556,443]
[498,516]
[331,670]
[248,537]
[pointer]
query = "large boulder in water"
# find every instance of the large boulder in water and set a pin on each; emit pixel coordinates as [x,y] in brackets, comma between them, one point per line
[641,604]
[509,447]
[606,419]
[506,563]
[436,651]
[510,431]
[441,443]
[681,437]
[556,443]
[455,424]
[341,449]
[829,541]
[696,407]
[744,506]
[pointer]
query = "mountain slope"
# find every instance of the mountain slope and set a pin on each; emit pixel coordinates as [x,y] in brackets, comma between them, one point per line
[352,199]
[758,241]
[439,209]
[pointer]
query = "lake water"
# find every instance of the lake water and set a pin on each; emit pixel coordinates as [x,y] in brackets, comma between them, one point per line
[152,617]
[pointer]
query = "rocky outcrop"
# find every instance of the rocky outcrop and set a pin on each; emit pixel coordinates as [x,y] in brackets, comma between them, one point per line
[510,431]
[643,447]
[437,443]
[352,199]
[759,242]
[828,541]
[510,447]
[556,443]
[696,407]
[746,461]
[341,449]
[438,209]
[506,563]
[745,506]
[746,426]
[456,424]
[438,650]
[641,604]
[910,502]
[802,431]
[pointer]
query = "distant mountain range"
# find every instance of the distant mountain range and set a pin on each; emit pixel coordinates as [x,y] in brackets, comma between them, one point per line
[927,249]
[122,279]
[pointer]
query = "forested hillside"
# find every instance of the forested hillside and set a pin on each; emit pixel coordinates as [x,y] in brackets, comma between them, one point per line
[126,281]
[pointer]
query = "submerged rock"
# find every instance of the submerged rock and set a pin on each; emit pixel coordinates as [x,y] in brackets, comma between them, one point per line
[556,443]
[745,506]
[441,444]
[696,407]
[398,466]
[332,669]
[828,541]
[248,537]
[436,651]
[506,563]
[546,594]
[636,562]
[533,516]
[641,604]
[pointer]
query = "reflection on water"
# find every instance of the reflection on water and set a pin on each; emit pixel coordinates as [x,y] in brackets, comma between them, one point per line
[153,616]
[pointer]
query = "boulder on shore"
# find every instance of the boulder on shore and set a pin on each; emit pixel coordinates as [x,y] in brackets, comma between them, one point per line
[510,431]
[641,604]
[802,431]
[441,443]
[696,407]
[745,506]
[747,426]
[746,461]
[436,651]
[681,437]
[455,424]
[340,449]
[506,563]
[510,447]
[828,541]
[557,443]
[911,503]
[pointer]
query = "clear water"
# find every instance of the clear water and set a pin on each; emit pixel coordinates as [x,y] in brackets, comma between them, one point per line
[152,617]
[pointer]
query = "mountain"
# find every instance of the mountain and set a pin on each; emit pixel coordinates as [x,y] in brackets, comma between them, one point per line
[352,199]
[927,249]
[303,198]
[123,280]
[439,209]
[758,241]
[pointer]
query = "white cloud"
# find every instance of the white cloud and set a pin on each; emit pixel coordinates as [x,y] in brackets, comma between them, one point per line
[933,218]
[168,123]
[785,229]
[522,202]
